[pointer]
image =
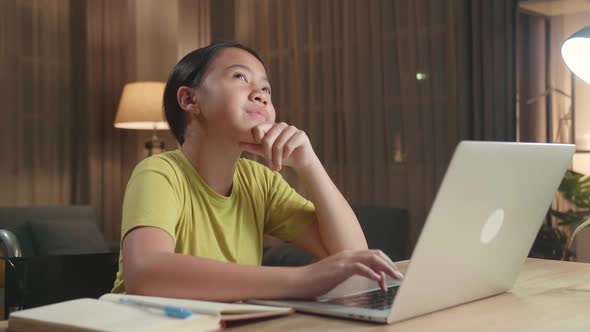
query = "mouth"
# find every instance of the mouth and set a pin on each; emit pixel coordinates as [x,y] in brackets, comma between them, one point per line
[258,113]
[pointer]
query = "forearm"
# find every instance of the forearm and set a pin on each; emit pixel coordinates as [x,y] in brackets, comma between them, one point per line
[182,276]
[338,226]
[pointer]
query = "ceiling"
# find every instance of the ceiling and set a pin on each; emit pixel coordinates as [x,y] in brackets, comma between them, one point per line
[555,7]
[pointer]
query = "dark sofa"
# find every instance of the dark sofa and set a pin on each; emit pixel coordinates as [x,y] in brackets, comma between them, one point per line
[385,228]
[46,231]
[63,255]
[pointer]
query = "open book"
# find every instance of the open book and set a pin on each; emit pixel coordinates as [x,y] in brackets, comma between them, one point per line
[109,314]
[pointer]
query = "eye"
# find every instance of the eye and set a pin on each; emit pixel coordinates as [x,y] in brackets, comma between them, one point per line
[266,89]
[241,76]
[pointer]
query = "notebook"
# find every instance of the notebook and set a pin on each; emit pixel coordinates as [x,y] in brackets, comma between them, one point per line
[110,315]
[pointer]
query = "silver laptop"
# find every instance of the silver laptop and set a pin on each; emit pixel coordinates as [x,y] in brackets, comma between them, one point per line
[485,217]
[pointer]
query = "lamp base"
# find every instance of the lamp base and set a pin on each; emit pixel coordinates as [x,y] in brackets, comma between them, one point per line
[155,145]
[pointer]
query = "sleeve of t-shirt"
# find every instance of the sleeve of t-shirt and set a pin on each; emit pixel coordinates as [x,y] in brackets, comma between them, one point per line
[151,198]
[287,212]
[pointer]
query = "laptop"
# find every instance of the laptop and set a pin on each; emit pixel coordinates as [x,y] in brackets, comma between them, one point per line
[480,229]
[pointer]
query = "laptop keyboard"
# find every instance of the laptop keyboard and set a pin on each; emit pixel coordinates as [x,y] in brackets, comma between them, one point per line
[377,299]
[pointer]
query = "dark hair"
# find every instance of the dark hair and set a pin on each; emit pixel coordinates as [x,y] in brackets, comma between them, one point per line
[190,71]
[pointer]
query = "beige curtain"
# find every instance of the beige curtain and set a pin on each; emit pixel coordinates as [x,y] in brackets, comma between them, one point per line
[64,64]
[35,89]
[110,153]
[111,62]
[385,88]
[194,25]
[374,85]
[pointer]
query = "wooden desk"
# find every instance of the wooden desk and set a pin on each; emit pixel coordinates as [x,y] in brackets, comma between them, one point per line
[549,296]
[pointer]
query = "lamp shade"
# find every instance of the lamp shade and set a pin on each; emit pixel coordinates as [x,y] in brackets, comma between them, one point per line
[140,106]
[576,52]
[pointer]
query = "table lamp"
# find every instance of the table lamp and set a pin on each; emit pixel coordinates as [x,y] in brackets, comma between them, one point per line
[576,52]
[140,107]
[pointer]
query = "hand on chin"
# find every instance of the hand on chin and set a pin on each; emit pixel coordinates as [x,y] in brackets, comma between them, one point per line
[280,144]
[255,134]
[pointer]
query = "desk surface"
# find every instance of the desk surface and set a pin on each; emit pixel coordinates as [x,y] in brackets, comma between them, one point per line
[548,296]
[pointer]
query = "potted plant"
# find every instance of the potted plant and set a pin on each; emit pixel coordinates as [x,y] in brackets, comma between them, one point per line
[552,242]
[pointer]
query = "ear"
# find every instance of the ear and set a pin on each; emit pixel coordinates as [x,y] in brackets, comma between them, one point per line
[187,99]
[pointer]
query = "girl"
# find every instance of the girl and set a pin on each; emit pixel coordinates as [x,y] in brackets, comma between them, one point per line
[194,218]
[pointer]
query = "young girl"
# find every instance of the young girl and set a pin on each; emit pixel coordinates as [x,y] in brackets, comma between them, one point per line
[194,218]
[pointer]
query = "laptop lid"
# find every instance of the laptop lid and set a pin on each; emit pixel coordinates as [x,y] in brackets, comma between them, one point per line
[485,217]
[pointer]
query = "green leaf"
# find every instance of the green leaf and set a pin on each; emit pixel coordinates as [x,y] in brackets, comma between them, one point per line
[570,216]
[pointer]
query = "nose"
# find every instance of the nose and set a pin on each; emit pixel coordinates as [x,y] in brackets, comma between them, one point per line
[259,96]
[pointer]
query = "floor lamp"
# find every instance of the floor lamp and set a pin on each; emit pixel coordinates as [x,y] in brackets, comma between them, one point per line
[140,107]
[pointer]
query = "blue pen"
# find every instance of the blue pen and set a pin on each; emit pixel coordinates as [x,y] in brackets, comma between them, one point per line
[171,311]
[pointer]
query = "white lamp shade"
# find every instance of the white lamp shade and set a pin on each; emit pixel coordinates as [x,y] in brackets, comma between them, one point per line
[576,53]
[140,106]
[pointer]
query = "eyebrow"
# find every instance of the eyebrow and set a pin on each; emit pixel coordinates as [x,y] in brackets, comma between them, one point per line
[237,65]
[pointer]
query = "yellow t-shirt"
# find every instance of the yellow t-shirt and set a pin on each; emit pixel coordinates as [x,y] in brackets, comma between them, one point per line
[166,192]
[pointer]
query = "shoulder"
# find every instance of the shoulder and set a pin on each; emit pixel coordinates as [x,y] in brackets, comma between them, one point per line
[167,164]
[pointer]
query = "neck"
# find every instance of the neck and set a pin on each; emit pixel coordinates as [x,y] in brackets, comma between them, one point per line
[215,161]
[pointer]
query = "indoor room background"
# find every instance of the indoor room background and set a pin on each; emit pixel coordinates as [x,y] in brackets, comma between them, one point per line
[385,89]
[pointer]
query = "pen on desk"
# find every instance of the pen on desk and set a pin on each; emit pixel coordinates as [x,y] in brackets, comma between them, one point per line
[169,310]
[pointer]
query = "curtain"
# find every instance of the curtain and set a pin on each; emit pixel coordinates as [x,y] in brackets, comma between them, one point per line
[60,86]
[111,62]
[36,89]
[491,80]
[64,64]
[532,79]
[385,89]
[194,25]
[108,154]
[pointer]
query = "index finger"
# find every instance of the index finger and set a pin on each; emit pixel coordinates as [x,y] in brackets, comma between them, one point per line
[387,259]
[380,264]
[259,131]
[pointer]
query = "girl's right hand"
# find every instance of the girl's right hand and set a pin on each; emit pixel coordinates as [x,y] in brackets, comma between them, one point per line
[318,278]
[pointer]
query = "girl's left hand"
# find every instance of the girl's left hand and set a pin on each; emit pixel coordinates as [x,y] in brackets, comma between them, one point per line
[281,144]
